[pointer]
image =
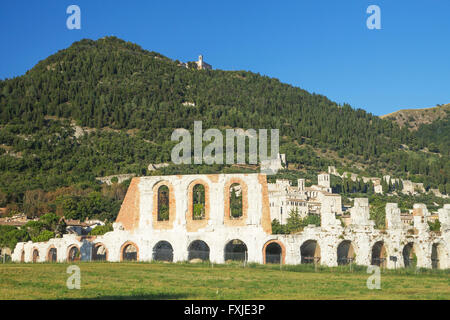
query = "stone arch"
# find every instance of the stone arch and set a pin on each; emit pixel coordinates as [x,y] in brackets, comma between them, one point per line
[52,254]
[235,250]
[228,206]
[99,252]
[438,256]
[129,251]
[409,255]
[163,202]
[379,254]
[310,252]
[345,253]
[163,251]
[35,255]
[198,201]
[197,207]
[198,249]
[235,200]
[274,251]
[73,253]
[22,256]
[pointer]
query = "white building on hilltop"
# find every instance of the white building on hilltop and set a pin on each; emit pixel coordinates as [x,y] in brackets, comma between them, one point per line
[202,65]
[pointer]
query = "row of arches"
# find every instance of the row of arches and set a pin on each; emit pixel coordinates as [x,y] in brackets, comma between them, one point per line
[99,253]
[235,198]
[410,255]
[236,250]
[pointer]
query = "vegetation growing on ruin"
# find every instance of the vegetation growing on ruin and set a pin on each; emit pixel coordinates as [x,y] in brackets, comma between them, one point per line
[101,230]
[294,223]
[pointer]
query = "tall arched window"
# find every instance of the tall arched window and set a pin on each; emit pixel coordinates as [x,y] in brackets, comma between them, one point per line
[74,254]
[198,205]
[163,203]
[52,255]
[379,254]
[236,211]
[345,253]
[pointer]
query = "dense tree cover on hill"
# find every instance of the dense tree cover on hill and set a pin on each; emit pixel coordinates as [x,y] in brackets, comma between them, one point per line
[436,136]
[48,226]
[132,100]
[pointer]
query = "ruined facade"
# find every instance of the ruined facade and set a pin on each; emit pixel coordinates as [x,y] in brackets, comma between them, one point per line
[225,217]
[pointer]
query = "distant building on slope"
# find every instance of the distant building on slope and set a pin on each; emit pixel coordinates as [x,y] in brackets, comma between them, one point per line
[307,200]
[202,65]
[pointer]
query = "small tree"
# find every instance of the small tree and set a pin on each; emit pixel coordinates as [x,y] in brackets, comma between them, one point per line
[294,222]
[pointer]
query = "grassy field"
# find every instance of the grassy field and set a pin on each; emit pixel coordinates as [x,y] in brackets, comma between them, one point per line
[203,281]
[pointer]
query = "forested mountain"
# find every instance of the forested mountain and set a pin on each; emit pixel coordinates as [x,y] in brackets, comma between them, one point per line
[129,101]
[431,126]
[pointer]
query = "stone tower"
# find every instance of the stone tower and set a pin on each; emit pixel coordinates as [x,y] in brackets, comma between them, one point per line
[323,180]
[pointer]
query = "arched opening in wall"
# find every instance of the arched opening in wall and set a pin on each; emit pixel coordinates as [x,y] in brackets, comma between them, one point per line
[310,252]
[129,252]
[345,253]
[236,250]
[379,254]
[99,252]
[35,255]
[236,210]
[198,250]
[22,256]
[52,254]
[163,203]
[198,199]
[409,256]
[273,253]
[437,251]
[74,254]
[163,251]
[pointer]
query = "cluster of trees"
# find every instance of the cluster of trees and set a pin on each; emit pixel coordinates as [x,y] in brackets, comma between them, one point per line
[48,226]
[436,136]
[74,202]
[10,236]
[101,230]
[347,185]
[294,223]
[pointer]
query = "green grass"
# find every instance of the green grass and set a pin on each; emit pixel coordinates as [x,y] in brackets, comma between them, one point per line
[203,281]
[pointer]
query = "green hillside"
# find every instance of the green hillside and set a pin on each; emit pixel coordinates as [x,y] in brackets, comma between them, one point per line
[128,102]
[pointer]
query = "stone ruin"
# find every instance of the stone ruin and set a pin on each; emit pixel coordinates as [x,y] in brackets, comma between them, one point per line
[197,217]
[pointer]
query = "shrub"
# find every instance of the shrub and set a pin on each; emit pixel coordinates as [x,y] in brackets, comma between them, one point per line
[44,236]
[101,230]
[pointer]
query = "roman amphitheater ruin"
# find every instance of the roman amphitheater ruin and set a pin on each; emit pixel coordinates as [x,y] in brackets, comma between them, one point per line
[225,217]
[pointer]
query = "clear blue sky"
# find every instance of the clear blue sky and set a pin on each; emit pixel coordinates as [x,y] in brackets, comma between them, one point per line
[322,46]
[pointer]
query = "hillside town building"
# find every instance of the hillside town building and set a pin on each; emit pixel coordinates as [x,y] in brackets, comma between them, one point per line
[222,217]
[285,198]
